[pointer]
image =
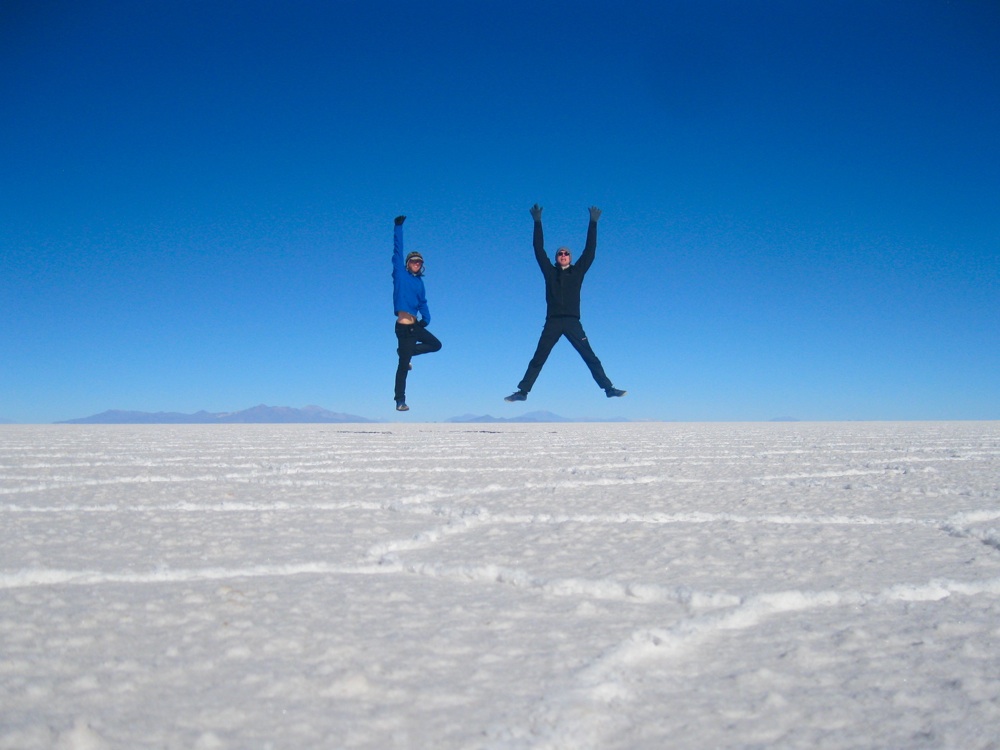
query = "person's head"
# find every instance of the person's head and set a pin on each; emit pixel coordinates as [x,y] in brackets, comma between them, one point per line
[563,257]
[415,263]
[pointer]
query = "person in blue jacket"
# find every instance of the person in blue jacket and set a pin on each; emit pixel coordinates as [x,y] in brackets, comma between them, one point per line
[409,303]
[563,281]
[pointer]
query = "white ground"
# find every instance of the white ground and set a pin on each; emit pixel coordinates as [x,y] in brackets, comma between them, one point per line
[516,586]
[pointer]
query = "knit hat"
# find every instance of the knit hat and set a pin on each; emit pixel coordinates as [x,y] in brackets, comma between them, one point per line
[414,255]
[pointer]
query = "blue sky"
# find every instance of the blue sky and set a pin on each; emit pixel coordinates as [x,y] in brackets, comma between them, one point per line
[801,205]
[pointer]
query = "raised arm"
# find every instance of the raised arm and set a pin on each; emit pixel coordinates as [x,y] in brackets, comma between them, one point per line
[590,249]
[398,259]
[538,239]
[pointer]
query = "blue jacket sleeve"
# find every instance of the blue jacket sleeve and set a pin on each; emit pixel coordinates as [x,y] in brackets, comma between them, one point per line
[398,259]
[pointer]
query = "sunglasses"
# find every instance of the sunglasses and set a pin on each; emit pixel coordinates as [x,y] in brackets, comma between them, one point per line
[561,253]
[416,261]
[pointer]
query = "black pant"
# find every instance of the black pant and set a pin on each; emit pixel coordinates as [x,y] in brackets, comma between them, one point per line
[413,340]
[554,329]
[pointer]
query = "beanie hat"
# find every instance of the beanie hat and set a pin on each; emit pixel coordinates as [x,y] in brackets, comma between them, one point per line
[412,255]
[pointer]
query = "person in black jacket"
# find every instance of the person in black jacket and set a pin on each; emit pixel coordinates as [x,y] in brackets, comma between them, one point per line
[563,281]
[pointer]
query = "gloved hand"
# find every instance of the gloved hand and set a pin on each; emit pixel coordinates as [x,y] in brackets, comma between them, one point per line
[423,323]
[595,213]
[400,220]
[536,212]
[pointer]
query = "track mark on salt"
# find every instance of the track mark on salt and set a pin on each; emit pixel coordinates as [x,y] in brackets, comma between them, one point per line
[578,717]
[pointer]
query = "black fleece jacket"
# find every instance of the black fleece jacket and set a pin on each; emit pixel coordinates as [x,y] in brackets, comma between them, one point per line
[562,285]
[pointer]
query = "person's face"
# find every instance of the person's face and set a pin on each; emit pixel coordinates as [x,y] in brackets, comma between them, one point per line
[563,258]
[414,265]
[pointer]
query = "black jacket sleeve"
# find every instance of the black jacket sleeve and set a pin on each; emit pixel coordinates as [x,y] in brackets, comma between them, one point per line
[538,242]
[590,249]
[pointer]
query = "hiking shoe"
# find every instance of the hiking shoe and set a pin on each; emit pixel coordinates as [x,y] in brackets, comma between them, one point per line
[517,396]
[614,392]
[401,406]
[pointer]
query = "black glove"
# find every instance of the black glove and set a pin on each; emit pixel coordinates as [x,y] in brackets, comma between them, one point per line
[400,220]
[422,323]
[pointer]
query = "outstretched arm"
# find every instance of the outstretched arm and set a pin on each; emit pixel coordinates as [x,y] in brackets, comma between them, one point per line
[398,264]
[590,249]
[538,239]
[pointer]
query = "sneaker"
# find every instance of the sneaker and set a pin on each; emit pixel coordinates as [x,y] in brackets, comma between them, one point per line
[517,396]
[401,406]
[614,392]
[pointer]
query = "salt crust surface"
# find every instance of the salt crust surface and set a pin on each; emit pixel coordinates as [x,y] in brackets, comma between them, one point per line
[792,585]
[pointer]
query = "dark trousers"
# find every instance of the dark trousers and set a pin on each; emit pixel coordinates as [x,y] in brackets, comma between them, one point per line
[413,340]
[554,329]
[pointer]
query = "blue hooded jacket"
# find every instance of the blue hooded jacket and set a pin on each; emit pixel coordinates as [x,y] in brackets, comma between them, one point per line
[407,290]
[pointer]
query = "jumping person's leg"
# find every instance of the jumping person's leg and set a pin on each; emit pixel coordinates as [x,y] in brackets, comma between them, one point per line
[551,332]
[426,342]
[406,344]
[574,332]
[413,340]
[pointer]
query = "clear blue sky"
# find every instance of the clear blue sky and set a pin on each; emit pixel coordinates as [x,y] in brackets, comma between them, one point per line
[801,204]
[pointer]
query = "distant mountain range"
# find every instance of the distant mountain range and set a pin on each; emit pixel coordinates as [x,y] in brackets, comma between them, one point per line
[264,414]
[261,414]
